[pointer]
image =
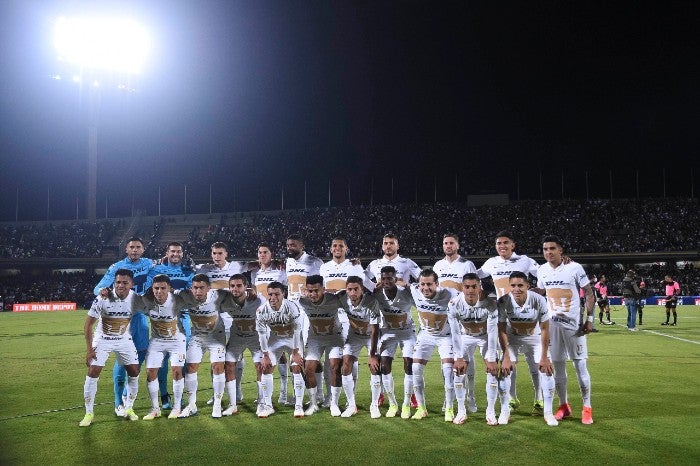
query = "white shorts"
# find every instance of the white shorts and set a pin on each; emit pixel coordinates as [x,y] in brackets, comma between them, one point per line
[392,339]
[157,348]
[212,342]
[123,347]
[236,345]
[276,346]
[530,346]
[470,343]
[565,343]
[318,344]
[426,343]
[355,343]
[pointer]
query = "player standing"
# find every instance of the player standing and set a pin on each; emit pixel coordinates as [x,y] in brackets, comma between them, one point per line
[523,327]
[431,302]
[499,269]
[205,306]
[363,315]
[164,310]
[269,271]
[244,335]
[279,330]
[473,322]
[567,334]
[325,333]
[115,313]
[397,329]
[140,268]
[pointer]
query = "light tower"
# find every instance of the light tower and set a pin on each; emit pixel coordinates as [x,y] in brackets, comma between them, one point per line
[103,50]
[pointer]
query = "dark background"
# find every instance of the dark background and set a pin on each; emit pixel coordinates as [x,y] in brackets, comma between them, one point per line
[445,98]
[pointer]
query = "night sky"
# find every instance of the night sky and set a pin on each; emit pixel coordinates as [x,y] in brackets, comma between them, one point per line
[257,97]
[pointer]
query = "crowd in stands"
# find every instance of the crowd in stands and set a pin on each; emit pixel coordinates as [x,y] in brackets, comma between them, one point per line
[74,287]
[596,226]
[587,226]
[77,239]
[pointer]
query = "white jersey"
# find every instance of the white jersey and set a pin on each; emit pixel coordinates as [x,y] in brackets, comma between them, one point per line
[450,273]
[115,313]
[362,316]
[244,317]
[282,323]
[475,321]
[297,271]
[324,318]
[335,275]
[219,276]
[432,312]
[261,278]
[499,270]
[165,318]
[405,268]
[396,313]
[205,317]
[562,285]
[523,320]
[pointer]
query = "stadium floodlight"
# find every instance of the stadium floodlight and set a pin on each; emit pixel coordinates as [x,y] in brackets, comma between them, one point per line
[112,44]
[100,46]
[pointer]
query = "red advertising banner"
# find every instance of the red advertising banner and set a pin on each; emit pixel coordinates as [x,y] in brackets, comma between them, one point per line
[43,307]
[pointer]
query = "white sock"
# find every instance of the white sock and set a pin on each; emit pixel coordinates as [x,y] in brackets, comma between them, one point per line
[547,384]
[471,380]
[375,385]
[231,390]
[355,371]
[312,396]
[349,388]
[283,370]
[191,384]
[535,376]
[491,392]
[298,389]
[89,392]
[266,383]
[335,395]
[514,381]
[132,390]
[504,391]
[178,388]
[388,381]
[419,382]
[407,389]
[460,391]
[219,384]
[326,376]
[240,365]
[584,381]
[560,380]
[449,387]
[153,393]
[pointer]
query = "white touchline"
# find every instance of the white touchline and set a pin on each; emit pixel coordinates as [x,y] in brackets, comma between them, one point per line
[671,336]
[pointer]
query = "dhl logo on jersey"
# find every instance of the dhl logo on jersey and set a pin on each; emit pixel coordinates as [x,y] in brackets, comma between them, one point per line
[554,283]
[292,270]
[429,308]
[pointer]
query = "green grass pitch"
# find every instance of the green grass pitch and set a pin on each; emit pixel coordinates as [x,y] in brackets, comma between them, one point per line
[646,407]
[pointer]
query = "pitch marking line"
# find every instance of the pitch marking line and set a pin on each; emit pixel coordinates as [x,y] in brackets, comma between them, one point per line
[671,336]
[663,335]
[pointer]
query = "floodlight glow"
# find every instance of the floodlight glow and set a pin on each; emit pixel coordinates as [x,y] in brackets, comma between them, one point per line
[113,44]
[95,83]
[76,78]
